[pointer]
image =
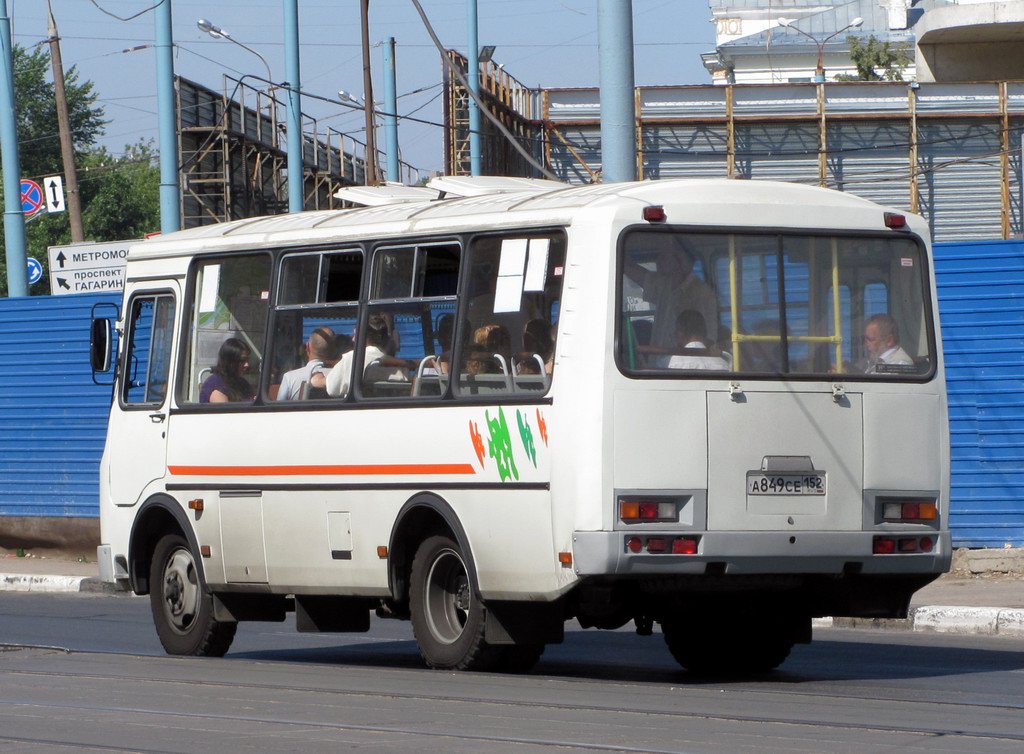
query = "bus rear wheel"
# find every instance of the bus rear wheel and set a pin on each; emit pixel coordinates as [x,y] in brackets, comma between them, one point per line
[726,651]
[182,608]
[448,616]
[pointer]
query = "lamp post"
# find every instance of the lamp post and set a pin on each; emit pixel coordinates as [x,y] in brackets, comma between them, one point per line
[218,33]
[819,72]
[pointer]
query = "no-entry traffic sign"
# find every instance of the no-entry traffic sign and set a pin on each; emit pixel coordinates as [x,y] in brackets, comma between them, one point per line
[32,198]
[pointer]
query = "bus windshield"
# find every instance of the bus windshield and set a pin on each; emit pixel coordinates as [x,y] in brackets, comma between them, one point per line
[774,304]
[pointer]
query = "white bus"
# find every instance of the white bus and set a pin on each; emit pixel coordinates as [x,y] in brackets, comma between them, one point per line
[716,406]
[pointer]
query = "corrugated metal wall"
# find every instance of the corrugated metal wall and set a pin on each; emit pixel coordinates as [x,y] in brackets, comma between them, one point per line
[981,304]
[53,419]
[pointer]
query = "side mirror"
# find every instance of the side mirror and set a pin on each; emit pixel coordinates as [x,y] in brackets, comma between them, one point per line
[99,345]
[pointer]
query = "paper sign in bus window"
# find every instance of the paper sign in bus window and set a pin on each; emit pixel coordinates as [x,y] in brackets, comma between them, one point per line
[211,285]
[537,265]
[508,292]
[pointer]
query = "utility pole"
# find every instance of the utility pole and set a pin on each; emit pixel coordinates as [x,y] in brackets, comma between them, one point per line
[371,140]
[67,147]
[14,218]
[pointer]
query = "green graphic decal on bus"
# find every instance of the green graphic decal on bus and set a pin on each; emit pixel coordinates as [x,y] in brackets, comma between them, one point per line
[527,436]
[499,446]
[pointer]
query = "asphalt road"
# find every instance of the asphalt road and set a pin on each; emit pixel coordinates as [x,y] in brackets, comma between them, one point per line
[82,672]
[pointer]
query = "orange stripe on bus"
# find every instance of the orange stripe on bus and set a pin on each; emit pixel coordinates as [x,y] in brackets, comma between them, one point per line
[382,469]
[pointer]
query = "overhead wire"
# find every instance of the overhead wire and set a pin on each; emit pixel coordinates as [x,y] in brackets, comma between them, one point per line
[101,9]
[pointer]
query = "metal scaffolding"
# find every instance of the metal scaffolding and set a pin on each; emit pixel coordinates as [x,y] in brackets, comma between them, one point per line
[234,160]
[951,152]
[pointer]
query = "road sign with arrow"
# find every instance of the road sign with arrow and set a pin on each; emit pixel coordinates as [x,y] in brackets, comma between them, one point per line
[88,267]
[53,187]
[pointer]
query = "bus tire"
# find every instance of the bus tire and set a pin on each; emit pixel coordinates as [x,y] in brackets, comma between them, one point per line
[448,616]
[726,651]
[182,608]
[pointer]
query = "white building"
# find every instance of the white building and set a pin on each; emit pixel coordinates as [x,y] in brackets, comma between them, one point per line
[948,40]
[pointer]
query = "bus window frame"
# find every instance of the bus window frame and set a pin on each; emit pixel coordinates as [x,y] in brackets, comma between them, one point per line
[778,232]
[122,362]
[184,332]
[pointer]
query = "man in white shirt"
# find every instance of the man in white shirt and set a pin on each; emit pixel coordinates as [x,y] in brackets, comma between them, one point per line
[882,345]
[691,345]
[319,348]
[377,365]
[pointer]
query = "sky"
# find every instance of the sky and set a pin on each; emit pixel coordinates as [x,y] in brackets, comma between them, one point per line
[542,43]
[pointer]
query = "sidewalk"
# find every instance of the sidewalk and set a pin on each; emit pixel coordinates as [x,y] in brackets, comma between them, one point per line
[983,594]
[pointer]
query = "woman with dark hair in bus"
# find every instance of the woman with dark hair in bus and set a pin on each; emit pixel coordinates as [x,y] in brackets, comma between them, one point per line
[226,382]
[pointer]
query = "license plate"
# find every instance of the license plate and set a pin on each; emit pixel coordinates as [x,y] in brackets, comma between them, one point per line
[785,484]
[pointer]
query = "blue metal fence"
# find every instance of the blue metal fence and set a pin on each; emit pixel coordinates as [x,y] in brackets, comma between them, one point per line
[981,304]
[53,418]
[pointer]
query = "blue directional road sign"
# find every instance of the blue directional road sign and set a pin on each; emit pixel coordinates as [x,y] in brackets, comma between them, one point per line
[32,197]
[35,271]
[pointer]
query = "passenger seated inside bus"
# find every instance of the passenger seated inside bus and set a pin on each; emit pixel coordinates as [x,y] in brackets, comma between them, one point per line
[377,365]
[320,355]
[882,351]
[227,382]
[692,351]
[490,352]
[538,348]
[317,385]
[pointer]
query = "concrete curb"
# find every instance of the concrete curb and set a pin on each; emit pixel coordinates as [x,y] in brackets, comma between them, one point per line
[18,582]
[946,619]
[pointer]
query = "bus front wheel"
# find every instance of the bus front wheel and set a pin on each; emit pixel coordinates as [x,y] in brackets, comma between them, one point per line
[182,608]
[448,616]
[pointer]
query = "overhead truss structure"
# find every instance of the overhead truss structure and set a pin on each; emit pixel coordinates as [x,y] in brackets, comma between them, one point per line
[233,151]
[950,152]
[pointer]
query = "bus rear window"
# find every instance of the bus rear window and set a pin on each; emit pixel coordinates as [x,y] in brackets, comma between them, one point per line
[771,304]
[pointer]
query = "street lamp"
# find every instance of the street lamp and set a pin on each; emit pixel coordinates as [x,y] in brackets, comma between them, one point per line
[819,72]
[218,33]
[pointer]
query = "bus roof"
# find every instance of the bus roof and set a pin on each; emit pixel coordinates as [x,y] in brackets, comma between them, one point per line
[493,202]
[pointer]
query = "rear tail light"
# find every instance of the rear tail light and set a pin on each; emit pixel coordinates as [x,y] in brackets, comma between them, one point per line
[656,544]
[684,546]
[900,545]
[664,545]
[632,511]
[884,546]
[909,511]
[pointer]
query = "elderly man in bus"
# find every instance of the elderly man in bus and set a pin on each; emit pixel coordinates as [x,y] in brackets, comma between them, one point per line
[320,353]
[882,345]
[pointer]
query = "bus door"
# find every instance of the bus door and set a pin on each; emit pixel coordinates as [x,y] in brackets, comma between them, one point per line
[785,460]
[138,419]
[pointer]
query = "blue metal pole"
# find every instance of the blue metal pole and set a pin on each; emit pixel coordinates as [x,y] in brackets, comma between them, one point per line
[618,106]
[170,192]
[391,112]
[473,75]
[14,219]
[291,51]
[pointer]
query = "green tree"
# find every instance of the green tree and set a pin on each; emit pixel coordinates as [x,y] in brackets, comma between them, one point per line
[119,195]
[876,61]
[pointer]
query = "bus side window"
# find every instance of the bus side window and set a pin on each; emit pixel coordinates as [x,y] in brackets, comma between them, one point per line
[148,352]
[407,334]
[227,327]
[314,320]
[508,334]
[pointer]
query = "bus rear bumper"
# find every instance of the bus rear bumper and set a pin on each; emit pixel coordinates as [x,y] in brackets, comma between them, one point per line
[603,553]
